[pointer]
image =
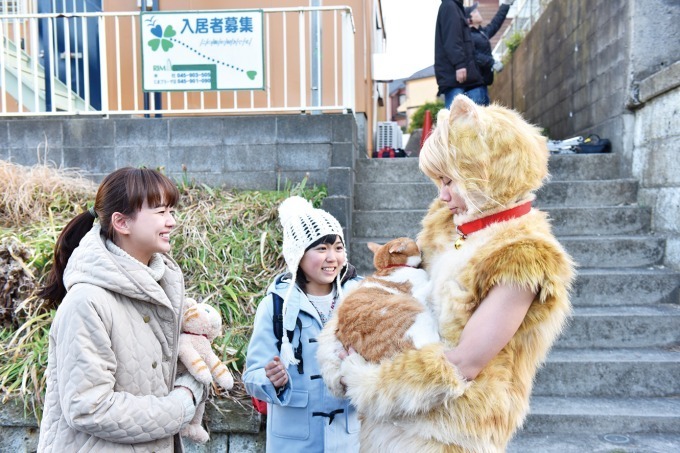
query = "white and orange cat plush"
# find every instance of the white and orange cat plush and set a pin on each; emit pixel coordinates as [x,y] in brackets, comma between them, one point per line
[482,244]
[201,324]
[386,313]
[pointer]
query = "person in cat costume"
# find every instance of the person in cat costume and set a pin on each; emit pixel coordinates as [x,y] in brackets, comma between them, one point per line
[500,292]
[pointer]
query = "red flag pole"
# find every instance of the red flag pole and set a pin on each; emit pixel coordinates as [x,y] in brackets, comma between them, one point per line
[427,127]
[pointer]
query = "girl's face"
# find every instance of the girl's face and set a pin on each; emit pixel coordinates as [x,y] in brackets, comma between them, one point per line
[149,232]
[450,194]
[321,265]
[476,18]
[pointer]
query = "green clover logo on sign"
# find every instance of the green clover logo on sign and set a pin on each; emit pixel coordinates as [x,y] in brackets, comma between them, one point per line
[163,38]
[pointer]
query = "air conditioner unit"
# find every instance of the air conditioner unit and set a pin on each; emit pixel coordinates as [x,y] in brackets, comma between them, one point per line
[388,135]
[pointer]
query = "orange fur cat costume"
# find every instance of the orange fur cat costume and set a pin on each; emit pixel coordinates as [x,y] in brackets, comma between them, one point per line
[418,400]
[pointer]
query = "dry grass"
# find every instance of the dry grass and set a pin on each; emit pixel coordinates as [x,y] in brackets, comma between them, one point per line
[17,281]
[29,193]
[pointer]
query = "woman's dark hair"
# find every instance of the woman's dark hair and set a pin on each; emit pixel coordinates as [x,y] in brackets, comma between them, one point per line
[124,191]
[329,239]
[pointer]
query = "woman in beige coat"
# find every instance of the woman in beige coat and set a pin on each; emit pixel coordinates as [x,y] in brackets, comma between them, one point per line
[113,344]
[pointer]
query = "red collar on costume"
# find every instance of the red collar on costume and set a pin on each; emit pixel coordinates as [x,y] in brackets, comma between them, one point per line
[470,227]
[197,334]
[398,265]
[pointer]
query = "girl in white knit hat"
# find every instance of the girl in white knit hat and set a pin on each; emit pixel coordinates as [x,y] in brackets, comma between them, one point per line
[302,415]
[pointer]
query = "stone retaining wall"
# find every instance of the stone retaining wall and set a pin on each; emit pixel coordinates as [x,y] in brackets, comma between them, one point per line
[233,427]
[263,152]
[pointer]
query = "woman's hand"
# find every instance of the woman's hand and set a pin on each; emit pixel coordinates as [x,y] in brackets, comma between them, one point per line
[276,373]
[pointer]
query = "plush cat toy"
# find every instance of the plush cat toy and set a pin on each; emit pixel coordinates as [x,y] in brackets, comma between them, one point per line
[386,313]
[201,324]
[480,236]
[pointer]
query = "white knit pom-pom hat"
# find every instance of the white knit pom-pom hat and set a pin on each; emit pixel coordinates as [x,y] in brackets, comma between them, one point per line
[302,226]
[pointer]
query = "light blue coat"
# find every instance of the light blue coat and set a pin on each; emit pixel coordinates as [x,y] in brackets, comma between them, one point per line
[294,420]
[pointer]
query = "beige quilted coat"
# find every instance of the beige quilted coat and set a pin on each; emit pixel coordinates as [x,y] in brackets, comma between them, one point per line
[112,357]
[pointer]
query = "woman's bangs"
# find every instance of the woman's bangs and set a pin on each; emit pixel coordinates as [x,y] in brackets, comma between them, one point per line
[152,187]
[163,192]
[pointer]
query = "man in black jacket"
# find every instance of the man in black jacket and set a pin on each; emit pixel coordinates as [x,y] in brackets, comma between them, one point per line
[480,37]
[454,64]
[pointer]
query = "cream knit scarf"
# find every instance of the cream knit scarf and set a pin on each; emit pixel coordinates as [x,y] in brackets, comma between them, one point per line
[156,267]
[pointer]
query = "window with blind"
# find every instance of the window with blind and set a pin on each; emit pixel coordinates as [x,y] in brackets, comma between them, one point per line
[12,6]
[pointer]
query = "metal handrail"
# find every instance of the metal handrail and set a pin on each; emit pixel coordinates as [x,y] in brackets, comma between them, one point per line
[121,91]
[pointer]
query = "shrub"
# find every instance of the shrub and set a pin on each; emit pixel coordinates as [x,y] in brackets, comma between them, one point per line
[512,42]
[419,115]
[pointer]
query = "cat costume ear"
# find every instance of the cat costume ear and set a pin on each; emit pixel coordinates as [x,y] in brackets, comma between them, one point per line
[463,108]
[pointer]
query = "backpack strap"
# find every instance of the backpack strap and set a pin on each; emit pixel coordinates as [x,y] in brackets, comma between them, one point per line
[278,329]
[278,321]
[298,350]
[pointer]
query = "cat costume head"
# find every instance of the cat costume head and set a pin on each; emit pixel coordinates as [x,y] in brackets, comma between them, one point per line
[495,158]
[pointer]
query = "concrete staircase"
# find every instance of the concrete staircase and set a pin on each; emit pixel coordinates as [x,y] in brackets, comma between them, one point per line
[612,382]
[24,76]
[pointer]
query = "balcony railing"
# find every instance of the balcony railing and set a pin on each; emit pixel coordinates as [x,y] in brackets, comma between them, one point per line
[526,15]
[90,63]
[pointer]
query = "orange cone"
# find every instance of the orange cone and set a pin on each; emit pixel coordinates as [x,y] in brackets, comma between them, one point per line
[427,127]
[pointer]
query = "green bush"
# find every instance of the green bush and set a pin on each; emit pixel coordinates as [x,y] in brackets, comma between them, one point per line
[419,115]
[512,42]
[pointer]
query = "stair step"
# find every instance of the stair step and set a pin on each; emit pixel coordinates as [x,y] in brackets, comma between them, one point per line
[609,373]
[567,415]
[587,251]
[562,167]
[605,443]
[613,192]
[30,75]
[617,287]
[633,326]
[419,195]
[565,221]
[615,251]
[599,220]
[394,195]
[389,171]
[579,167]
[387,223]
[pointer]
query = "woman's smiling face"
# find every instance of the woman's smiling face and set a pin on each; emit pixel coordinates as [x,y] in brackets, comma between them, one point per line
[321,265]
[149,232]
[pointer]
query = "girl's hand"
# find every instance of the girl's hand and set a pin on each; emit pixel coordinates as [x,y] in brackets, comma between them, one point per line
[276,373]
[343,355]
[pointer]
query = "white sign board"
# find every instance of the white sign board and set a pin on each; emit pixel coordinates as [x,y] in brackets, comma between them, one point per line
[202,50]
